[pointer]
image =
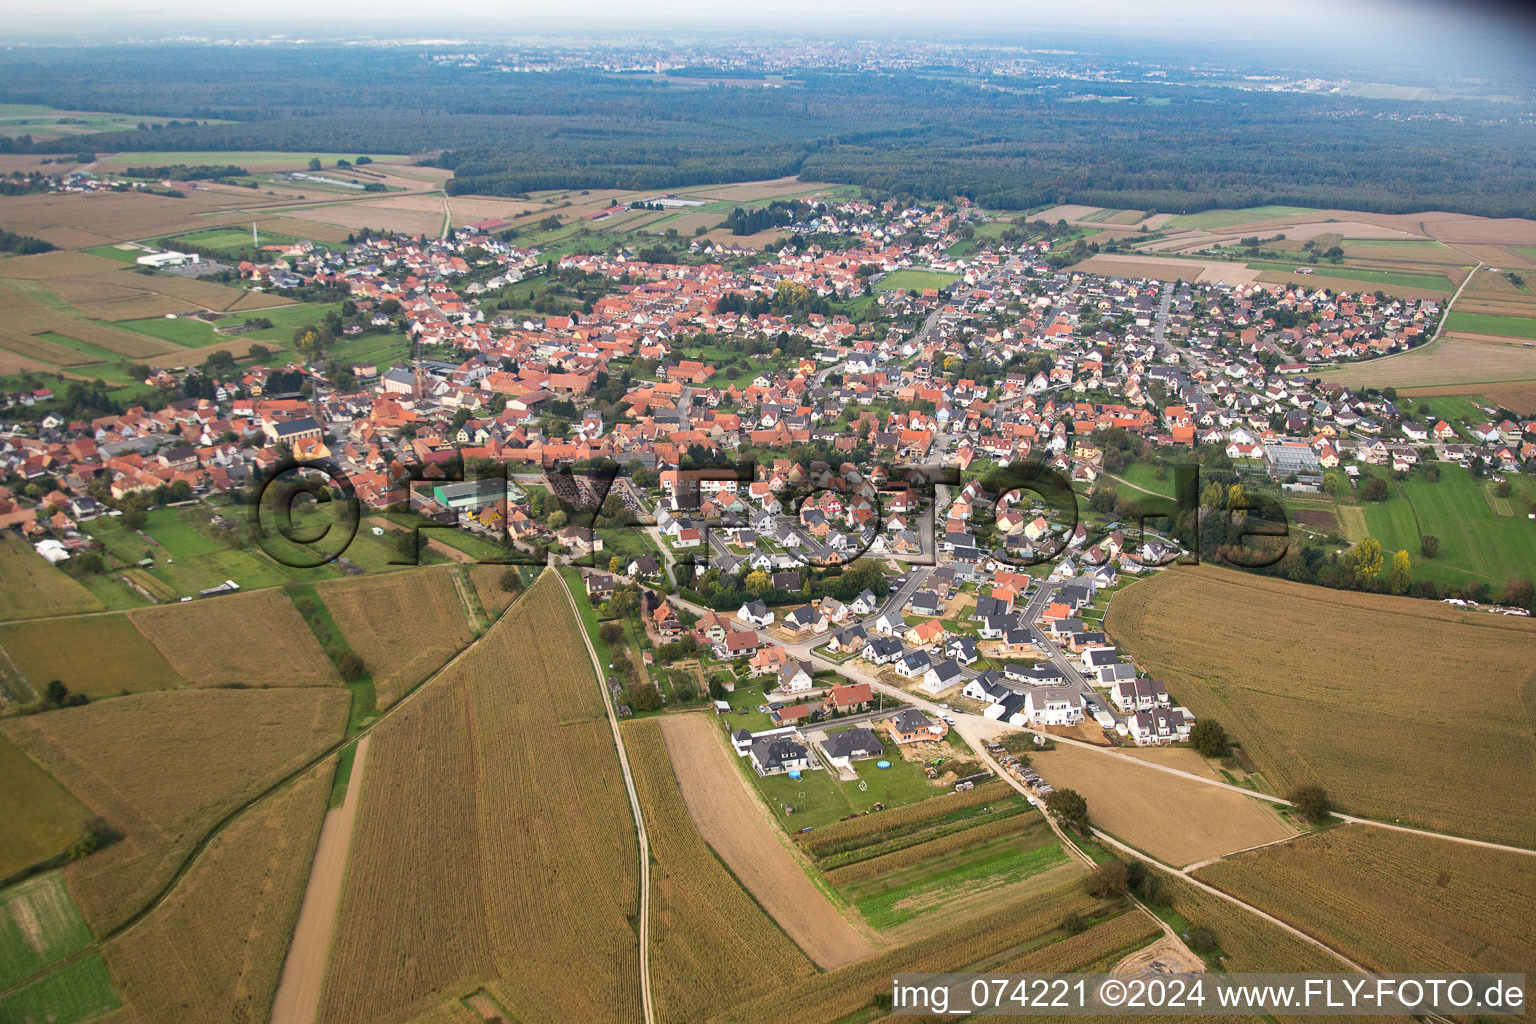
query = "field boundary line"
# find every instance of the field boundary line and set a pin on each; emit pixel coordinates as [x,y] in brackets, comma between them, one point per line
[634,798]
[281,784]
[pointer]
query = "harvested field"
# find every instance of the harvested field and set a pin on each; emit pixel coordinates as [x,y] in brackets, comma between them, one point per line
[214,948]
[986,939]
[1395,901]
[1069,213]
[487,581]
[42,817]
[733,822]
[374,215]
[77,218]
[747,191]
[1247,942]
[97,655]
[687,223]
[403,625]
[1451,360]
[464,872]
[33,587]
[1114,265]
[1176,820]
[1185,759]
[254,639]
[1242,649]
[711,945]
[163,768]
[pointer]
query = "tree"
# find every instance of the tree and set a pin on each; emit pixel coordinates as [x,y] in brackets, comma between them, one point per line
[1210,739]
[1201,940]
[351,666]
[1069,808]
[1400,576]
[557,519]
[1109,879]
[644,697]
[615,564]
[1429,545]
[314,163]
[611,631]
[510,581]
[55,693]
[757,582]
[134,517]
[1374,489]
[1311,801]
[1366,560]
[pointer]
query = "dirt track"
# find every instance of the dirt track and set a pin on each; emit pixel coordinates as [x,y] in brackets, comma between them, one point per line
[298,991]
[730,818]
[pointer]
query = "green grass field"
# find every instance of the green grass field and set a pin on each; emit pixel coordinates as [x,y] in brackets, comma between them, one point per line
[39,923]
[98,655]
[190,332]
[1403,279]
[80,992]
[247,158]
[226,240]
[907,280]
[908,893]
[41,817]
[1228,218]
[1475,542]
[112,252]
[1487,323]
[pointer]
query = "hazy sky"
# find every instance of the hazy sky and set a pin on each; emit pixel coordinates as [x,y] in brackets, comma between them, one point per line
[1363,24]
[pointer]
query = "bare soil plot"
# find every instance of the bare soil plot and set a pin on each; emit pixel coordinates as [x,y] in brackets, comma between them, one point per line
[1349,714]
[254,639]
[754,241]
[1069,212]
[1178,821]
[164,767]
[403,625]
[213,950]
[1453,359]
[297,997]
[97,655]
[1394,900]
[1116,265]
[1185,759]
[733,821]
[378,215]
[775,188]
[1518,398]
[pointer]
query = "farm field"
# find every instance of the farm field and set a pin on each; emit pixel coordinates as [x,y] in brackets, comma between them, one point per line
[711,945]
[1167,268]
[254,639]
[1356,277]
[97,655]
[462,874]
[250,159]
[33,587]
[991,937]
[1213,219]
[79,992]
[1176,820]
[39,923]
[904,280]
[213,950]
[163,768]
[1475,542]
[403,625]
[42,817]
[735,824]
[1394,901]
[1483,323]
[1242,649]
[1451,360]
[1247,942]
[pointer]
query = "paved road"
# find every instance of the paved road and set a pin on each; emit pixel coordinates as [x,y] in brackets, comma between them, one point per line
[634,807]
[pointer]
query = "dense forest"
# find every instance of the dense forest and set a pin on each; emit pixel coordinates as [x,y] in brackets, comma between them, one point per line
[1008,143]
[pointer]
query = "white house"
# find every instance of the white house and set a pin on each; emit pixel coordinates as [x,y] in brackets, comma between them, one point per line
[1139,695]
[795,677]
[755,613]
[1053,705]
[1160,725]
[942,676]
